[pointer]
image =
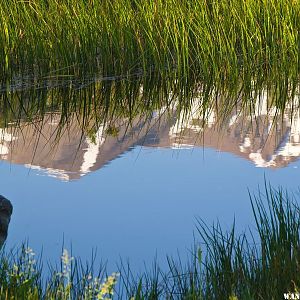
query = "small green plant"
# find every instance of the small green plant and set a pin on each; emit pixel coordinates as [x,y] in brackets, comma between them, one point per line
[21,278]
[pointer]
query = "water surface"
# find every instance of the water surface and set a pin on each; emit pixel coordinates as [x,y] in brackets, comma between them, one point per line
[134,192]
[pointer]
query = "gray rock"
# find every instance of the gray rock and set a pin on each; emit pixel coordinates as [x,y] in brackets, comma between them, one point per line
[6,210]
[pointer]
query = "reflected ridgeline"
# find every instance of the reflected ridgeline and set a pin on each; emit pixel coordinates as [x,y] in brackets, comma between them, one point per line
[6,210]
[68,140]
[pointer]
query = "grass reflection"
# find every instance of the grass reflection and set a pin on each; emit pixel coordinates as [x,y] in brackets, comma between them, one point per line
[88,127]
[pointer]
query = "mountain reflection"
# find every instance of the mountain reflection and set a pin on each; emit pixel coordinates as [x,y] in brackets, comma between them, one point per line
[260,135]
[5,214]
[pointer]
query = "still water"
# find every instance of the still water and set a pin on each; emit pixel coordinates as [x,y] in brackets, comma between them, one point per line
[136,194]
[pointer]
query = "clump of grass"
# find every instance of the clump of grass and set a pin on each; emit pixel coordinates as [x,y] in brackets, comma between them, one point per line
[224,40]
[252,268]
[232,266]
[21,278]
[258,265]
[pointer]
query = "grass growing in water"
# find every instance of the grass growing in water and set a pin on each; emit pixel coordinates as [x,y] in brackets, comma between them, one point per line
[223,39]
[229,266]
